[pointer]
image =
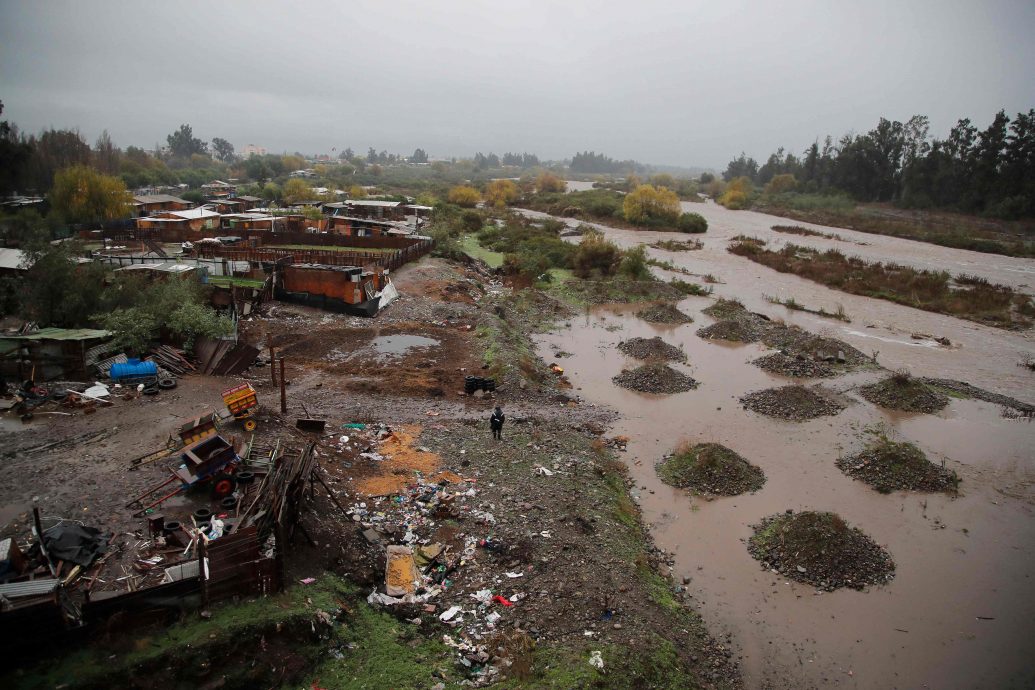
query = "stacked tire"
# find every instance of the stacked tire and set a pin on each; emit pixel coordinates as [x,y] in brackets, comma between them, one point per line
[477,383]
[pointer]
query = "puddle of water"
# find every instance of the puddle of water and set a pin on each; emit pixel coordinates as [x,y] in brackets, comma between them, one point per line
[400,345]
[957,559]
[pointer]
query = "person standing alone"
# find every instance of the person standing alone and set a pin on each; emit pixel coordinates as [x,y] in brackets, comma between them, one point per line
[496,423]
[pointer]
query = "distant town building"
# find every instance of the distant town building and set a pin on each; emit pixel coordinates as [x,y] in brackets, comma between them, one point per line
[253,149]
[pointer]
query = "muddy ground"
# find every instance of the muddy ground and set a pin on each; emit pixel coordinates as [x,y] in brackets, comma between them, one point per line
[559,515]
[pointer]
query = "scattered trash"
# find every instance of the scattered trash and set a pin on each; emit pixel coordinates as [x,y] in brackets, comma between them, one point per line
[308,580]
[503,600]
[596,660]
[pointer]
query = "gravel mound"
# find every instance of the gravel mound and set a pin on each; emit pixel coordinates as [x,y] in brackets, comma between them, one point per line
[798,366]
[726,309]
[901,392]
[710,468]
[664,312]
[655,378]
[820,549]
[888,466]
[652,348]
[790,402]
[737,324]
[734,330]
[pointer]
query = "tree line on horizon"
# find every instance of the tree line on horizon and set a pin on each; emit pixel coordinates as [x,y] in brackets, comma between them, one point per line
[989,171]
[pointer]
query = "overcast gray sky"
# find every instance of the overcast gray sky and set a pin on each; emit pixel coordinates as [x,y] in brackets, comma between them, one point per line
[681,83]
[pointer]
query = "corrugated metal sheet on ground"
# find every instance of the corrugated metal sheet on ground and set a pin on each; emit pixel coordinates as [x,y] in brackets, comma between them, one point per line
[32,588]
[60,334]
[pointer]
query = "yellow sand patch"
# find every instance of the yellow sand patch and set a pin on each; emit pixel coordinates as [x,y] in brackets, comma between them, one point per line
[402,461]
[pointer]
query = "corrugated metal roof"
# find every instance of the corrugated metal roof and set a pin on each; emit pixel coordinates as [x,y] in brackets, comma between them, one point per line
[11,258]
[60,334]
[372,202]
[158,199]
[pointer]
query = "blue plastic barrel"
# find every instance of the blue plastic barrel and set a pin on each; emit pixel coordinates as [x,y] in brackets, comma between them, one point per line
[132,368]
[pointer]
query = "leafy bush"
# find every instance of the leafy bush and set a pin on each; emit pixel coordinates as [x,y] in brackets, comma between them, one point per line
[464,196]
[692,223]
[634,264]
[650,205]
[596,257]
[738,194]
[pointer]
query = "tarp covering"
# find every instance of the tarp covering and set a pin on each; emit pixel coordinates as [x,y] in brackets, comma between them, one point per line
[74,543]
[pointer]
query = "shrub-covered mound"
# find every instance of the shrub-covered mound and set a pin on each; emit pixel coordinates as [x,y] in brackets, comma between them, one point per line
[903,392]
[710,468]
[790,402]
[651,348]
[655,378]
[889,466]
[663,312]
[820,549]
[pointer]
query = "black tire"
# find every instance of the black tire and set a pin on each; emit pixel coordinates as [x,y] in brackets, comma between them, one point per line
[202,514]
[245,477]
[228,503]
[223,485]
[150,390]
[166,384]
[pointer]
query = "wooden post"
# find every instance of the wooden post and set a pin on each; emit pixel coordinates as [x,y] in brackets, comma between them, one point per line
[202,576]
[39,535]
[273,366]
[283,391]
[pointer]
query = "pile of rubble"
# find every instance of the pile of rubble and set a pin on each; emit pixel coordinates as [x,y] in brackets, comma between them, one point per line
[795,403]
[655,378]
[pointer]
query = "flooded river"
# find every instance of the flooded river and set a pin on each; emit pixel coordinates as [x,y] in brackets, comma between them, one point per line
[960,612]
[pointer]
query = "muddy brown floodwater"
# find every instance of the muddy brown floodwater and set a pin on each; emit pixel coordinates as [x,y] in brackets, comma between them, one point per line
[960,612]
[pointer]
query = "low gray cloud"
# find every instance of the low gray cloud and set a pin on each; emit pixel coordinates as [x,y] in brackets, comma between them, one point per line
[674,83]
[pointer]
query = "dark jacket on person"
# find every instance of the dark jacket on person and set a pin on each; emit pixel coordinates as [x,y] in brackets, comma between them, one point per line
[497,419]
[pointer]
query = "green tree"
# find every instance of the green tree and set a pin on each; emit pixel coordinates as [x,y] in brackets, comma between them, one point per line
[223,149]
[133,329]
[183,143]
[83,195]
[419,156]
[57,290]
[296,190]
[648,204]
[14,157]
